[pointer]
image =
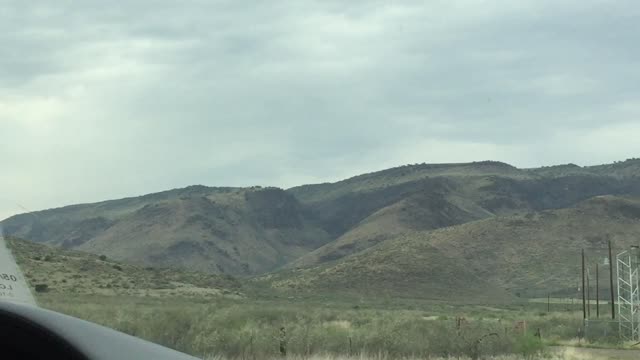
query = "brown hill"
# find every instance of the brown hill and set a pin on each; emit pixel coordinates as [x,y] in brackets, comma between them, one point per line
[247,231]
[362,219]
[392,269]
[236,231]
[537,253]
[421,210]
[529,255]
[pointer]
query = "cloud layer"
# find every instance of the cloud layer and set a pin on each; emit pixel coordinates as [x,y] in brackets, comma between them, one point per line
[99,101]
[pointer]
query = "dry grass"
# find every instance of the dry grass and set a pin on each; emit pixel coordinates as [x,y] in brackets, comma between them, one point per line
[243,329]
[555,354]
[73,272]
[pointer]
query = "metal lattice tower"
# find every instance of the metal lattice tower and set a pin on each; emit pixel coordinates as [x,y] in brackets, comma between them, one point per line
[628,294]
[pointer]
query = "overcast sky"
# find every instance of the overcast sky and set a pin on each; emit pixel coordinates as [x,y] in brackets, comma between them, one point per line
[102,99]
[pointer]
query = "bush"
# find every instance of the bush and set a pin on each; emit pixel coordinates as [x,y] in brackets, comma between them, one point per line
[528,346]
[40,288]
[103,257]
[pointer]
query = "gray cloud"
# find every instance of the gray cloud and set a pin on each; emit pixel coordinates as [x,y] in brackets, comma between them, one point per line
[99,101]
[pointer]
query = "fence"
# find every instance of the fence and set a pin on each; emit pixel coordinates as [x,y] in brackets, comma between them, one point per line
[602,330]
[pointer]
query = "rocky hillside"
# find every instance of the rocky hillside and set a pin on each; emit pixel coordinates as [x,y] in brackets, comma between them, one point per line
[526,255]
[214,230]
[51,270]
[398,201]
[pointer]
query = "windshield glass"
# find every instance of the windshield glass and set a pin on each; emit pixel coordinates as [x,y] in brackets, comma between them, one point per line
[327,179]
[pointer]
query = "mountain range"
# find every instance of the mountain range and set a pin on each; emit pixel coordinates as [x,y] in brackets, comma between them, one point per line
[416,230]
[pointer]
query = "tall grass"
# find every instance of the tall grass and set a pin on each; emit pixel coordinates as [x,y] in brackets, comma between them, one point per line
[553,355]
[247,330]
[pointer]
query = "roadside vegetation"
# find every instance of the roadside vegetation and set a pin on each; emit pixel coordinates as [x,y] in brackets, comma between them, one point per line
[224,328]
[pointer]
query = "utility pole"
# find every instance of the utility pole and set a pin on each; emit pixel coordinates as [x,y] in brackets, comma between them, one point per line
[597,293]
[584,294]
[548,302]
[613,302]
[588,294]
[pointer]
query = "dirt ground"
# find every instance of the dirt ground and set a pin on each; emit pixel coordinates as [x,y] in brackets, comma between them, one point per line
[574,353]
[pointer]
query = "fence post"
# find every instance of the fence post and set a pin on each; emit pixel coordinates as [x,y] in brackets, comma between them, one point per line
[253,353]
[283,341]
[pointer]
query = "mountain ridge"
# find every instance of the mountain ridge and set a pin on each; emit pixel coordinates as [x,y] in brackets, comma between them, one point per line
[254,231]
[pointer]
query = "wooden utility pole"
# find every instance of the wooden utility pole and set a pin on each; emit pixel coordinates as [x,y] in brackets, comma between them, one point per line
[584,294]
[588,294]
[548,302]
[613,302]
[597,293]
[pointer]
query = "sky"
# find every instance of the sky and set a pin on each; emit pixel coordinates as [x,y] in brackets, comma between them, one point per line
[102,100]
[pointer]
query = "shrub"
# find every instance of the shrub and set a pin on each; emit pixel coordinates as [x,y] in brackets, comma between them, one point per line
[222,328]
[528,346]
